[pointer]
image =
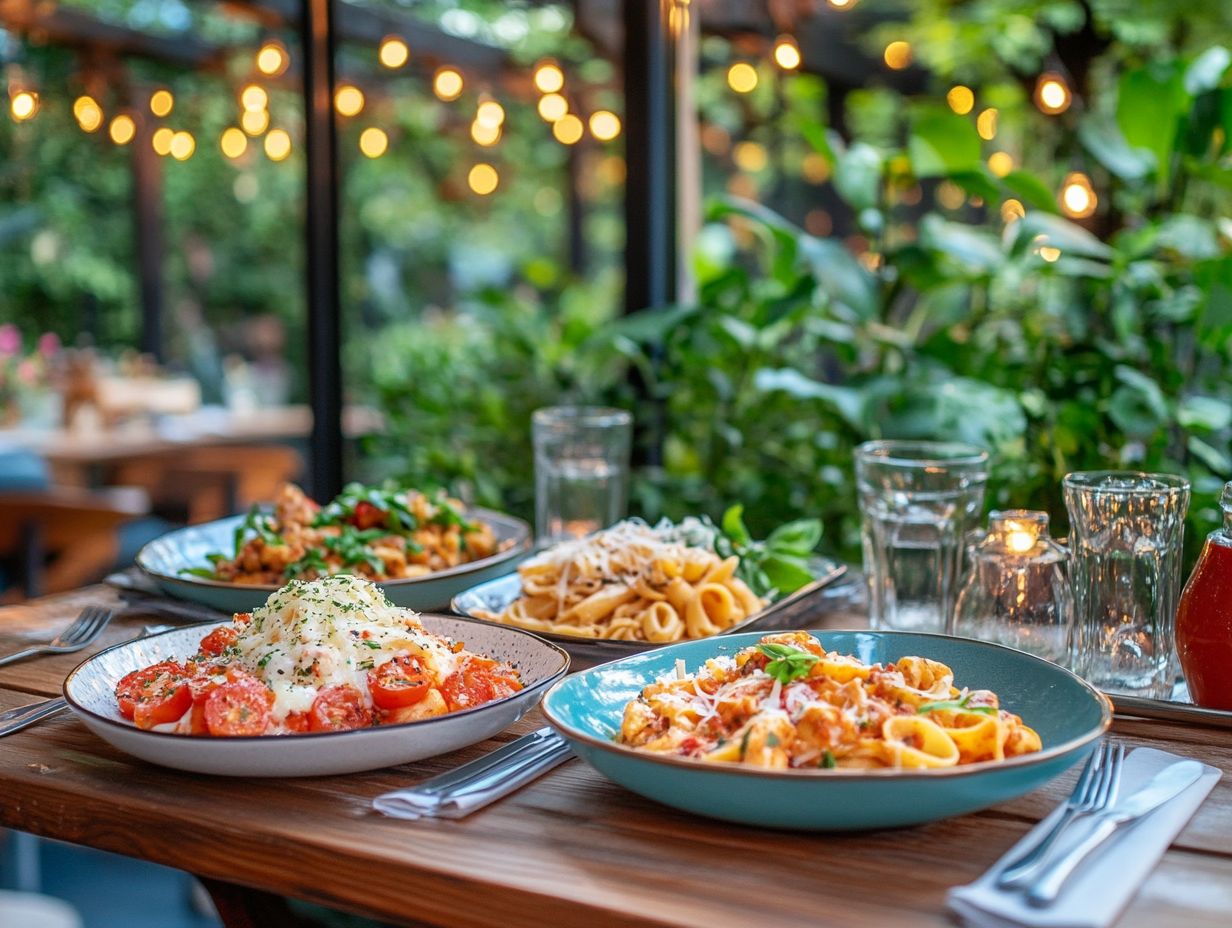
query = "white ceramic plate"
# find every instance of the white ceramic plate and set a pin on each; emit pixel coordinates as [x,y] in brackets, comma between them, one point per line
[90,691]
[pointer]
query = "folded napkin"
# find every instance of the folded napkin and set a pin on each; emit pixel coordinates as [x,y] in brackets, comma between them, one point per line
[472,786]
[1109,878]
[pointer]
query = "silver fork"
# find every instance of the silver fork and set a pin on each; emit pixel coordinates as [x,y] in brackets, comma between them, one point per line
[1096,787]
[85,629]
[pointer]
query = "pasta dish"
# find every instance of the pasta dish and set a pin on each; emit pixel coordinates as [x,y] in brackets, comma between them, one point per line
[374,533]
[323,655]
[787,703]
[633,582]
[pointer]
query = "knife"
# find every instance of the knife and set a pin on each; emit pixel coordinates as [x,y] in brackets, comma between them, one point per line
[1165,785]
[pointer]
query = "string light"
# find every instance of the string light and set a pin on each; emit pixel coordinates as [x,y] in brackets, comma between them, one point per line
[1012,209]
[162,103]
[485,135]
[272,59]
[88,113]
[393,53]
[787,53]
[254,98]
[549,78]
[122,129]
[842,4]
[815,168]
[742,77]
[604,125]
[24,105]
[233,142]
[490,114]
[483,179]
[897,55]
[961,99]
[986,124]
[349,100]
[447,85]
[1078,199]
[750,156]
[254,121]
[553,106]
[373,142]
[277,145]
[568,129]
[1000,163]
[1052,94]
[1044,250]
[161,140]
[182,146]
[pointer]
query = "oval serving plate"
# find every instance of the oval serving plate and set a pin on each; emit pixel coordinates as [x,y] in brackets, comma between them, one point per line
[1068,714]
[496,595]
[90,692]
[164,558]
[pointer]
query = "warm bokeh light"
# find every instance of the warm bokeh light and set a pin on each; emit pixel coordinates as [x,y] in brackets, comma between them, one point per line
[549,78]
[815,168]
[254,98]
[898,55]
[950,195]
[842,4]
[254,121]
[1050,254]
[1011,210]
[1000,163]
[24,105]
[818,222]
[161,140]
[393,53]
[786,53]
[88,113]
[277,144]
[349,100]
[750,156]
[182,146]
[742,77]
[233,142]
[552,106]
[483,179]
[373,142]
[485,135]
[604,125]
[1078,199]
[568,129]
[490,113]
[162,103]
[447,85]
[1052,94]
[986,124]
[961,99]
[272,59]
[122,129]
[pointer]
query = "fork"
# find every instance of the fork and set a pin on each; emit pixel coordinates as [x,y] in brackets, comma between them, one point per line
[85,629]
[1095,790]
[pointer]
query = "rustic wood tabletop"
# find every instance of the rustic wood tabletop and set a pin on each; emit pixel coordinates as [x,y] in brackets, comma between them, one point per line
[571,848]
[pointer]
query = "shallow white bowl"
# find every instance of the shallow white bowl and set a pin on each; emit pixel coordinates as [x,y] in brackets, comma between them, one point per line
[90,691]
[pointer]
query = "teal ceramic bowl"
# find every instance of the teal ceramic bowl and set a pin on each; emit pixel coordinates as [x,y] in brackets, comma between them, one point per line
[1069,715]
[165,559]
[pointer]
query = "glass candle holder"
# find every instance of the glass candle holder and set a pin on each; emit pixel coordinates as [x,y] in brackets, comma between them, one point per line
[1016,591]
[581,469]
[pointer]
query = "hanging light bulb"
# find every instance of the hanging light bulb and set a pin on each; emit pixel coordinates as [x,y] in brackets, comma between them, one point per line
[552,107]
[786,53]
[1052,94]
[568,129]
[162,103]
[1078,199]
[393,53]
[483,179]
[549,78]
[254,121]
[349,100]
[233,142]
[373,142]
[604,125]
[986,124]
[122,129]
[490,114]
[447,84]
[278,144]
[961,99]
[161,140]
[254,98]
[484,134]
[24,105]
[88,113]
[897,55]
[182,146]
[272,59]
[742,77]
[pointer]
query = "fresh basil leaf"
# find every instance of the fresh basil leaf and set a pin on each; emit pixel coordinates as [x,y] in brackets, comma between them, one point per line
[786,573]
[955,705]
[733,525]
[799,537]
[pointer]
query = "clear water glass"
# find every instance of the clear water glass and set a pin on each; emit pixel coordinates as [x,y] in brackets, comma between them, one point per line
[1126,535]
[918,501]
[581,469]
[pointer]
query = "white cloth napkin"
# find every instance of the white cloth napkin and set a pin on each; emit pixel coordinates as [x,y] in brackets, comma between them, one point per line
[1106,882]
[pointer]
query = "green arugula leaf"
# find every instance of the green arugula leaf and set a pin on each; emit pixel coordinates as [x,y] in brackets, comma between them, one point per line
[955,705]
[209,573]
[787,663]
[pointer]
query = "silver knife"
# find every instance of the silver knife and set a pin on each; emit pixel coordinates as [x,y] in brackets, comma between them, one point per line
[1165,785]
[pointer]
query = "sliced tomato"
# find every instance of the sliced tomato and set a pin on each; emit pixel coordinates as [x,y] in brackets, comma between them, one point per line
[477,681]
[339,708]
[296,723]
[243,617]
[132,687]
[398,683]
[368,515]
[218,641]
[238,707]
[166,699]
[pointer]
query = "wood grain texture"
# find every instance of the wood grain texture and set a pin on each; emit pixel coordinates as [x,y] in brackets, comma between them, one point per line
[569,849]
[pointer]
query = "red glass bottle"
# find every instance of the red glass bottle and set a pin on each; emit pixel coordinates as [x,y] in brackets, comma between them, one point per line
[1204,618]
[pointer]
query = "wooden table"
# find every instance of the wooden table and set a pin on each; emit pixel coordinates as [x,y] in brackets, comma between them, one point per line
[570,849]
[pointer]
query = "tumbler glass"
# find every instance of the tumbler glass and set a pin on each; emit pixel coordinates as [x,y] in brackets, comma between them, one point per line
[918,500]
[581,469]
[1126,532]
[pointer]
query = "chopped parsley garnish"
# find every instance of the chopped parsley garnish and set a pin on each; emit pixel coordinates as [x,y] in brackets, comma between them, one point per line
[787,663]
[827,760]
[374,645]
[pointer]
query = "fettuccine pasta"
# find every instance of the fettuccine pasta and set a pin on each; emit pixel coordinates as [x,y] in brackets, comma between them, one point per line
[632,582]
[787,703]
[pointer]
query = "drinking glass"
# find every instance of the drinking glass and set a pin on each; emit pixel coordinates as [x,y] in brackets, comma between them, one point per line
[581,469]
[918,499]
[1126,532]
